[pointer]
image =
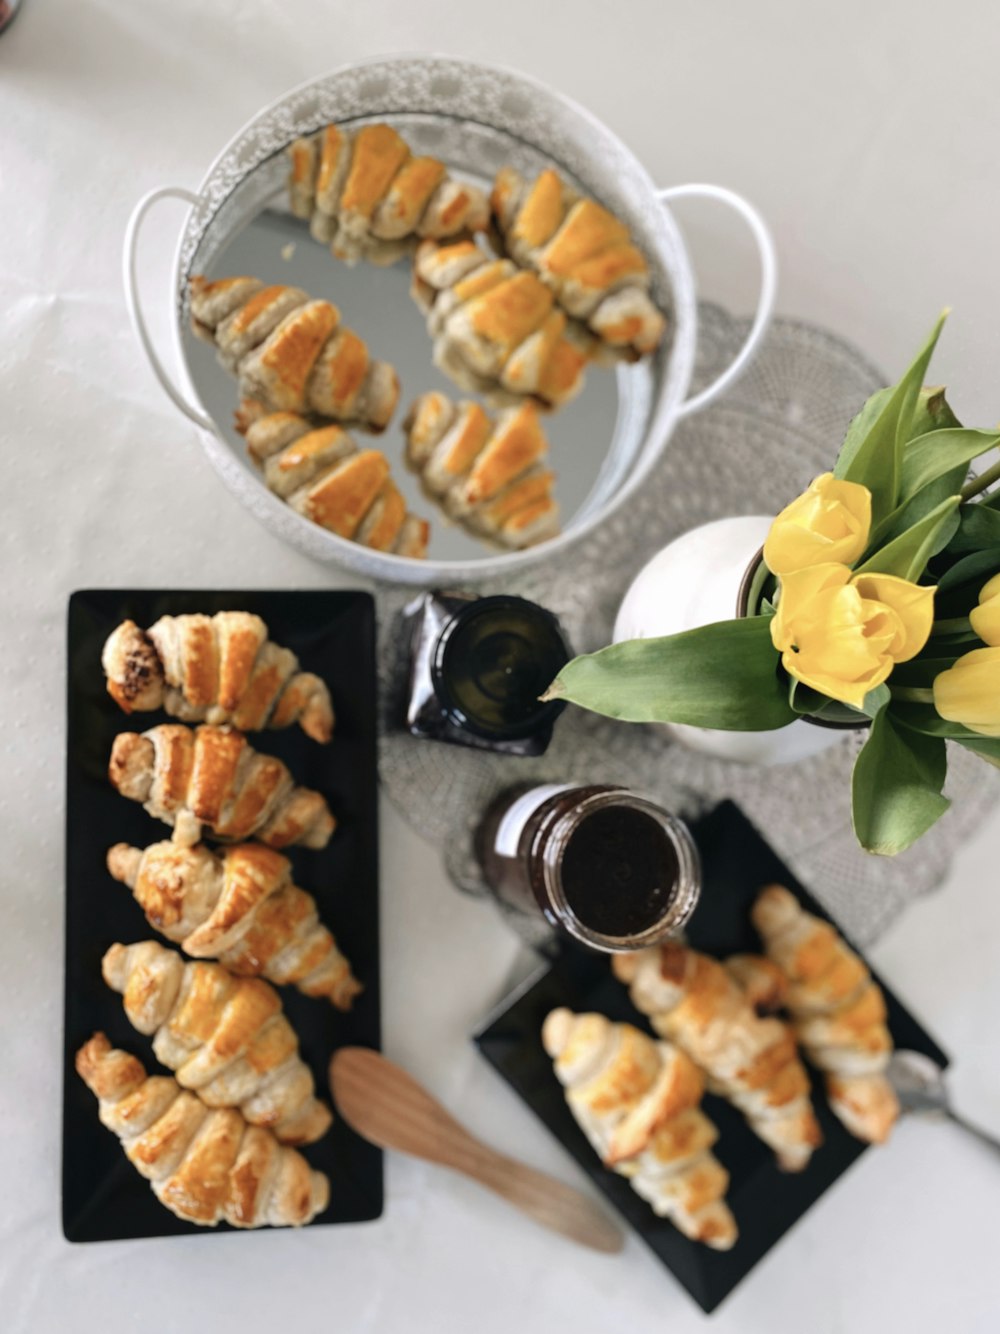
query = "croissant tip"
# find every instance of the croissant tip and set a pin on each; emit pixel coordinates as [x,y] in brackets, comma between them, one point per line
[318,725]
[122,860]
[96,1046]
[624,966]
[343,998]
[555,1030]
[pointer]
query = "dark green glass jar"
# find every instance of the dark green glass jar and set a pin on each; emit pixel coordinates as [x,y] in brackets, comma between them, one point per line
[477,669]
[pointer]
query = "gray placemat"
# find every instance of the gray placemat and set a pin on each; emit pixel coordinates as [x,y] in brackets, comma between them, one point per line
[750,454]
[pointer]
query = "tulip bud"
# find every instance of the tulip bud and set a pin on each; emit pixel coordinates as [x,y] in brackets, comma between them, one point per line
[829,523]
[986,617]
[969,692]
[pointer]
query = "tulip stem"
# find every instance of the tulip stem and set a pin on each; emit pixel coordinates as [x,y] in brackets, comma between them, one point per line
[913,694]
[951,626]
[981,482]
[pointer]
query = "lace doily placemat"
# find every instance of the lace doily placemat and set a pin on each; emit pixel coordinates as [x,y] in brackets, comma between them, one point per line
[750,454]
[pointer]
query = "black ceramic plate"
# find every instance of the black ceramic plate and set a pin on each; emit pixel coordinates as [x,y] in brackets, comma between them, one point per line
[766,1202]
[333,634]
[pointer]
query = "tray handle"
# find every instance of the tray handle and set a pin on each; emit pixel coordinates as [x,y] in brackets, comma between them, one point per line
[768,285]
[130,277]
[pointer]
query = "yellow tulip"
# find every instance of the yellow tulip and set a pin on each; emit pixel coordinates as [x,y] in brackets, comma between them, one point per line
[828,523]
[842,634]
[986,617]
[969,692]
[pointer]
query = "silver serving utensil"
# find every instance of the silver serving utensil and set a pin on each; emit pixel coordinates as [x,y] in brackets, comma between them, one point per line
[921,1088]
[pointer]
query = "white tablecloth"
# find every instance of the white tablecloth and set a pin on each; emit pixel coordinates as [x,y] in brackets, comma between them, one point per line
[867,135]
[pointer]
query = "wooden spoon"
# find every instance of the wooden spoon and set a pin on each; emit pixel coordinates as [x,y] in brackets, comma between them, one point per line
[388,1107]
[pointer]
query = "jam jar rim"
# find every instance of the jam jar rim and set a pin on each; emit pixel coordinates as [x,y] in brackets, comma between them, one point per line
[546,712]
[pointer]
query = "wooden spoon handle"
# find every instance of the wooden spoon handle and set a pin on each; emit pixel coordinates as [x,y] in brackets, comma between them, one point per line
[387,1106]
[546,1200]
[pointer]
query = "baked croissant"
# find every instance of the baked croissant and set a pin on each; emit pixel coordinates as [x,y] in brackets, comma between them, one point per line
[692,1000]
[838,1012]
[220,669]
[240,908]
[292,353]
[212,777]
[763,983]
[637,1100]
[205,1164]
[583,253]
[225,1037]
[323,475]
[495,327]
[489,476]
[365,195]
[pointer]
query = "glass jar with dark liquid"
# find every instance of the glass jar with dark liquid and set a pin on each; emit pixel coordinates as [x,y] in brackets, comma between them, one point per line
[477,669]
[610,868]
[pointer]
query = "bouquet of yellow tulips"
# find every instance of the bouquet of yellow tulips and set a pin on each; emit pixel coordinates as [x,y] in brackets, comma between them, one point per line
[876,602]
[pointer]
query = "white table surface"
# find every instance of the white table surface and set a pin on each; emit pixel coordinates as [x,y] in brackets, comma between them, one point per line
[866,133]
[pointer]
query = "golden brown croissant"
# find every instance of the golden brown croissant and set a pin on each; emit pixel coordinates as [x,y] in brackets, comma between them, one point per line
[693,1001]
[291,353]
[240,908]
[583,253]
[490,476]
[495,327]
[225,1037]
[212,777]
[206,1165]
[220,669]
[838,1012]
[365,195]
[322,475]
[762,981]
[637,1100]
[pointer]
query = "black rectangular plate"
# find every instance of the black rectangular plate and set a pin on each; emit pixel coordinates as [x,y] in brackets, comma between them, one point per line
[766,1202]
[333,633]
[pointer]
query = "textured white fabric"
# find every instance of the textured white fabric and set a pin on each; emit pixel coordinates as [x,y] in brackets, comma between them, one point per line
[867,136]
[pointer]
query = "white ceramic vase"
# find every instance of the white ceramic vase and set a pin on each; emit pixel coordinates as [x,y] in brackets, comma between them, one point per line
[694,581]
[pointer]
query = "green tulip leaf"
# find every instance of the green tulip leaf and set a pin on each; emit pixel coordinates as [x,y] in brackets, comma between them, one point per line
[906,556]
[917,507]
[925,718]
[897,786]
[724,675]
[876,700]
[943,453]
[919,673]
[956,643]
[872,452]
[928,475]
[986,747]
[862,424]
[975,569]
[958,586]
[760,594]
[833,711]
[803,699]
[932,412]
[979,528]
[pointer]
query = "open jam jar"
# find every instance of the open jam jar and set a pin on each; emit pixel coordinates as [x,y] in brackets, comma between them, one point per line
[610,868]
[477,669]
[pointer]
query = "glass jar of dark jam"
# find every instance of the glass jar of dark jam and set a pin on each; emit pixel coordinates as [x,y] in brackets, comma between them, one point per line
[477,669]
[610,868]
